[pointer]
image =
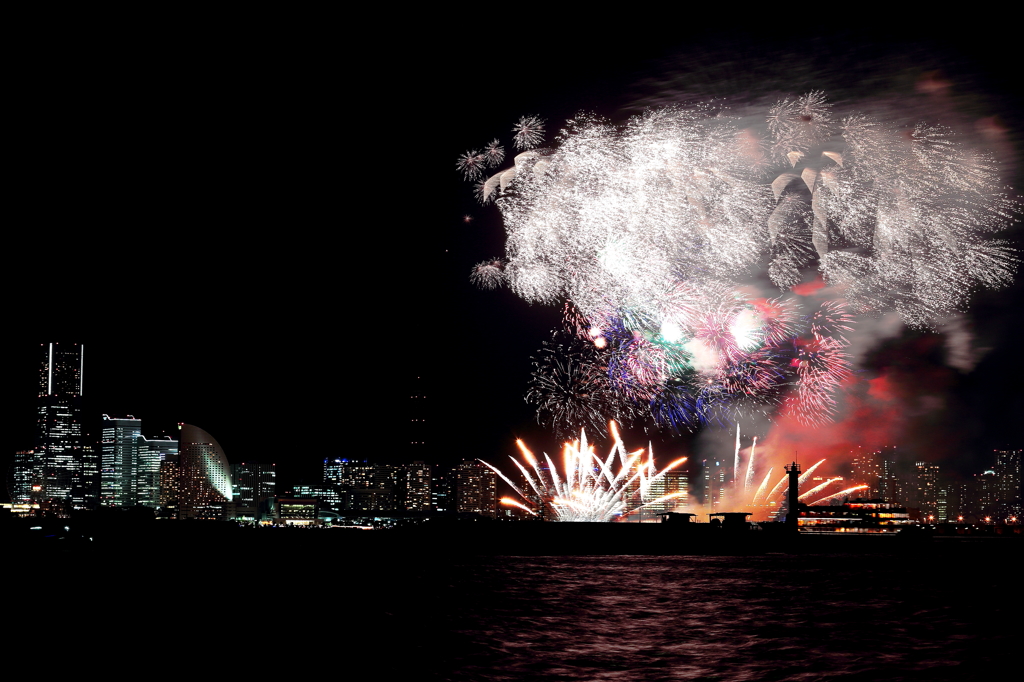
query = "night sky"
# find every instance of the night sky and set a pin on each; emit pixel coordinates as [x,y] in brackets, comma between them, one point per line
[262,233]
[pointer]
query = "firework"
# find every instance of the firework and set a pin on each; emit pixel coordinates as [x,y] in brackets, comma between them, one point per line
[471,164]
[529,132]
[589,488]
[494,153]
[652,230]
[571,388]
[489,274]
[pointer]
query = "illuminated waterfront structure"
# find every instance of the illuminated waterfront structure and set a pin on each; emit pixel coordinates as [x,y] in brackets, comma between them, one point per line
[715,474]
[476,489]
[130,463]
[858,516]
[866,468]
[674,482]
[416,487]
[253,487]
[26,478]
[1008,490]
[66,466]
[204,475]
[152,454]
[119,461]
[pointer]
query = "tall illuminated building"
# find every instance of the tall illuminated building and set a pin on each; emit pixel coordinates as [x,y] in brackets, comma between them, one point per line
[67,466]
[476,489]
[1008,489]
[152,454]
[253,488]
[203,475]
[673,482]
[119,461]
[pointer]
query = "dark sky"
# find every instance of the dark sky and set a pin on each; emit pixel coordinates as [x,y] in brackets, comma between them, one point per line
[260,231]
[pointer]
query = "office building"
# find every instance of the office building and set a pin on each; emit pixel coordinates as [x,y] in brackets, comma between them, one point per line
[253,486]
[476,489]
[1008,483]
[204,475]
[672,482]
[152,454]
[415,491]
[65,465]
[119,461]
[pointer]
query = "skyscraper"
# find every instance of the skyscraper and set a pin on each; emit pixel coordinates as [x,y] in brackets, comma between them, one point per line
[152,454]
[204,475]
[253,488]
[476,489]
[67,466]
[119,461]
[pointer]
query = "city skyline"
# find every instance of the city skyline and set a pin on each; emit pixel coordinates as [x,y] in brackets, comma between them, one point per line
[243,335]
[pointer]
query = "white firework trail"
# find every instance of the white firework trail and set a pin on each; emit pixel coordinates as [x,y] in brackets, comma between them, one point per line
[590,488]
[748,480]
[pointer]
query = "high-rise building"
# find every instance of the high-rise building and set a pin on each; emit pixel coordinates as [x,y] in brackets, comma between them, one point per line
[26,477]
[476,489]
[715,474]
[152,454]
[1008,488]
[67,466]
[866,469]
[926,493]
[362,486]
[672,482]
[417,428]
[204,475]
[119,461]
[253,487]
[416,487]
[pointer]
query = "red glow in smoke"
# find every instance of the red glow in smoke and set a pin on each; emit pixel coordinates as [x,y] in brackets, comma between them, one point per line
[808,288]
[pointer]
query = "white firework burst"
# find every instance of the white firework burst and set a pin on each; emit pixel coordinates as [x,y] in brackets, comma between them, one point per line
[529,132]
[489,274]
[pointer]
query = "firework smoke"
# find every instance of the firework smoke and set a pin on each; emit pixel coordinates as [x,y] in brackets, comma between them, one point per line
[656,230]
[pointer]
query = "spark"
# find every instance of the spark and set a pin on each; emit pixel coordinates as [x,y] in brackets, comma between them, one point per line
[529,132]
[841,493]
[471,164]
[488,274]
[590,488]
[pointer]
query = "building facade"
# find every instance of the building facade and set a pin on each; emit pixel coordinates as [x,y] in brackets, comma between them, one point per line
[204,475]
[119,461]
[476,489]
[64,466]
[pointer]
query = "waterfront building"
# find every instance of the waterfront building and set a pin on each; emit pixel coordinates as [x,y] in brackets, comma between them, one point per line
[169,490]
[419,421]
[925,491]
[441,498]
[866,469]
[362,486]
[715,474]
[1008,488]
[65,465]
[476,488]
[253,486]
[204,475]
[26,478]
[858,516]
[119,461]
[672,482]
[152,454]
[416,489]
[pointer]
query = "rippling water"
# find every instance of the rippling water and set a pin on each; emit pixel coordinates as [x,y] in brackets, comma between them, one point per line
[938,615]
